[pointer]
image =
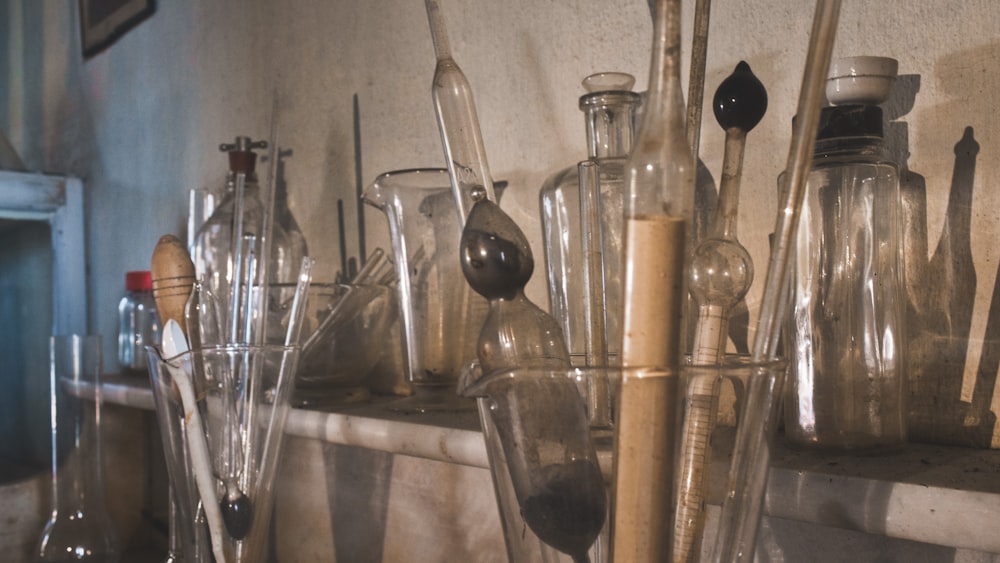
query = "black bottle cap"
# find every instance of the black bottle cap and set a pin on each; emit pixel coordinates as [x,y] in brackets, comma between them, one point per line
[850,121]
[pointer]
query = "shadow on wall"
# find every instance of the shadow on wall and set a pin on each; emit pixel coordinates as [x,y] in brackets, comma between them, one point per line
[360,483]
[940,293]
[939,317]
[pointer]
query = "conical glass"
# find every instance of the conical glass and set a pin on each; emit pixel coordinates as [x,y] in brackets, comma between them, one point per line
[551,491]
[222,414]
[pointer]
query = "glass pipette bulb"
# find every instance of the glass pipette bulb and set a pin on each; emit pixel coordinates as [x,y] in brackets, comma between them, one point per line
[720,276]
[721,268]
[458,121]
[559,489]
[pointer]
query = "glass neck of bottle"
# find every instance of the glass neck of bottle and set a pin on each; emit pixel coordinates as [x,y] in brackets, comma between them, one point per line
[249,183]
[610,123]
[664,90]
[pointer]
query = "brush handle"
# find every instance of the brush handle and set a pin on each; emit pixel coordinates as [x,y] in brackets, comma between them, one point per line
[173,275]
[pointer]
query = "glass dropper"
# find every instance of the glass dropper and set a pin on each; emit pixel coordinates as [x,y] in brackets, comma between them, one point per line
[458,121]
[721,267]
[721,275]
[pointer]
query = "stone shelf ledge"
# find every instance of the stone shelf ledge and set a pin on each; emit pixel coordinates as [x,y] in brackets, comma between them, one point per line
[933,494]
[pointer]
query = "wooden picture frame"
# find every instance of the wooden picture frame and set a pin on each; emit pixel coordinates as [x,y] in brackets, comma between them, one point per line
[102,22]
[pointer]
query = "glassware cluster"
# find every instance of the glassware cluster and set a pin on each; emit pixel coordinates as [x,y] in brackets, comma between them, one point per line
[598,414]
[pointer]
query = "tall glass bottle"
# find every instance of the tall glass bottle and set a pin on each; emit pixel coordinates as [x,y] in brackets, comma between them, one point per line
[79,528]
[658,210]
[846,387]
[609,107]
[212,254]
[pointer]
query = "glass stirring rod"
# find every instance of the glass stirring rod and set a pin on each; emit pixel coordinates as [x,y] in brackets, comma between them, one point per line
[458,122]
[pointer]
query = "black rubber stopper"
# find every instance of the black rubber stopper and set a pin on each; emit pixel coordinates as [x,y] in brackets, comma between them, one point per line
[741,100]
[237,515]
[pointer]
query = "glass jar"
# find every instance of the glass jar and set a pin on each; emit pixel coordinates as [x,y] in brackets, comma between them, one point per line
[846,344]
[609,108]
[138,323]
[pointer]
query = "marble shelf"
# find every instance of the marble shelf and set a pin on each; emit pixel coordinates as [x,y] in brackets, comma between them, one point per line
[940,495]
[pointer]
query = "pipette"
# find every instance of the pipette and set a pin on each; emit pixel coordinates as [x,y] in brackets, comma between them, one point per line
[721,275]
[660,175]
[458,121]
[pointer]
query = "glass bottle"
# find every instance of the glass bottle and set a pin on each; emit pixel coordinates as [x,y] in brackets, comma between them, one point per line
[212,254]
[79,528]
[609,108]
[657,225]
[846,386]
[138,323]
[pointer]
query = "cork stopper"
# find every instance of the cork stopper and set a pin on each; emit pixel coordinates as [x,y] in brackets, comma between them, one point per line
[241,155]
[173,275]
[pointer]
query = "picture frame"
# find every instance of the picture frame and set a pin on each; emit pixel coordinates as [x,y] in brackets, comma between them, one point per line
[102,22]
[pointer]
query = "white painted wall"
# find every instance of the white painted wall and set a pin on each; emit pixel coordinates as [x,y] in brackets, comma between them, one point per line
[141,121]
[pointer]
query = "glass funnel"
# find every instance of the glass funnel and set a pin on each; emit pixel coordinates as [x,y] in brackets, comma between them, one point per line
[442,316]
[222,413]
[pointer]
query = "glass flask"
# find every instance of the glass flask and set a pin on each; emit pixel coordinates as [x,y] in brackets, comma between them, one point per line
[846,341]
[79,528]
[138,323]
[609,108]
[212,249]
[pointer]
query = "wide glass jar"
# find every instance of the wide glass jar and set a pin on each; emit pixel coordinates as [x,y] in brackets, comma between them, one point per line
[846,342]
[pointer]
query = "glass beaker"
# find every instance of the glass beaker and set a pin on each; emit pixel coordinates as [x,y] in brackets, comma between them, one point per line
[222,451]
[442,315]
[550,488]
[79,528]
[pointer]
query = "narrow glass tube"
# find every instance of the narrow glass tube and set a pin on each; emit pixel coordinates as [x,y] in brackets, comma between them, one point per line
[458,121]
[660,179]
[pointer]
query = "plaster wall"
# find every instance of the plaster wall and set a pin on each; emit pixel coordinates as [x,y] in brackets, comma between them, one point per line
[141,121]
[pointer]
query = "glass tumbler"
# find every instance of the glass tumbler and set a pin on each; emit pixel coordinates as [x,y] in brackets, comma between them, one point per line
[79,528]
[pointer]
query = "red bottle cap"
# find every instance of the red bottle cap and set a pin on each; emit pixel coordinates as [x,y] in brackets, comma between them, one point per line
[138,281]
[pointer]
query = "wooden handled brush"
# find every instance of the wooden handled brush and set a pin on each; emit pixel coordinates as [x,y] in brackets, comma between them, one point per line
[173,275]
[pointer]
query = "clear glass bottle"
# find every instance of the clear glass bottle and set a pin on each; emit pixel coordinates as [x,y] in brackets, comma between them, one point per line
[138,323]
[212,254]
[609,107]
[846,342]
